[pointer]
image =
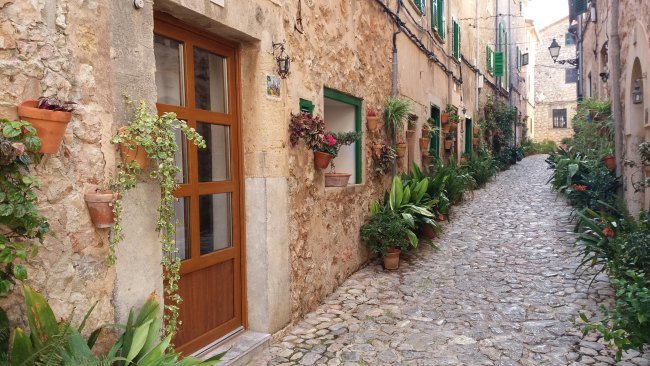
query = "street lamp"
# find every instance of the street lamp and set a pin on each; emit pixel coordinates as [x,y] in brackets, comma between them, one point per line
[554,50]
[637,94]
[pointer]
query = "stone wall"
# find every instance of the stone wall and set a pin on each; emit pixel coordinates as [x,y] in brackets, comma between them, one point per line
[56,48]
[551,89]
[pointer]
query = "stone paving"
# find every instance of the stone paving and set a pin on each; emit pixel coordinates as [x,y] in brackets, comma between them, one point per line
[501,291]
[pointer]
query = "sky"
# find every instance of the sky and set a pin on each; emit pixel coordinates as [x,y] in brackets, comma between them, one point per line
[545,12]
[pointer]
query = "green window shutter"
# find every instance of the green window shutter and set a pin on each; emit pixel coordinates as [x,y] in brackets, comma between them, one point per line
[441,18]
[518,54]
[579,6]
[488,60]
[420,4]
[506,61]
[498,64]
[434,15]
[306,106]
[456,39]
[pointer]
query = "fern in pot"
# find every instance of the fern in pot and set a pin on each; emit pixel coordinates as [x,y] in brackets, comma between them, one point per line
[396,113]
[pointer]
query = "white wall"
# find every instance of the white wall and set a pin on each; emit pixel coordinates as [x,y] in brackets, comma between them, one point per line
[340,117]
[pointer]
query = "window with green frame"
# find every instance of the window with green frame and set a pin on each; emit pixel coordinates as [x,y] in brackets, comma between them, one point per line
[489,60]
[342,113]
[456,39]
[434,145]
[438,17]
[421,5]
[306,106]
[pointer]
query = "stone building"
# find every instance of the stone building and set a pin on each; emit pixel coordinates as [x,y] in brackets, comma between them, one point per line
[279,240]
[598,63]
[555,84]
[530,58]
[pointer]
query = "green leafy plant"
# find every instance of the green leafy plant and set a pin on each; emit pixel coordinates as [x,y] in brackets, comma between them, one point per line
[309,128]
[384,156]
[396,112]
[156,135]
[482,167]
[644,151]
[22,228]
[385,230]
[59,343]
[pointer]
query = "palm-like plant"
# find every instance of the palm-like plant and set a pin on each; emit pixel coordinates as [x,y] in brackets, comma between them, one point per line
[397,111]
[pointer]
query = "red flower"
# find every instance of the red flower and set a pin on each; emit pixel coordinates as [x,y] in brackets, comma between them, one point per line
[580,187]
[608,232]
[329,140]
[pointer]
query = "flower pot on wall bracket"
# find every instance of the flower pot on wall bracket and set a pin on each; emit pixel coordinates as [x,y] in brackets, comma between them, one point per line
[391,260]
[446,128]
[321,160]
[444,118]
[100,207]
[400,149]
[336,179]
[476,131]
[424,143]
[410,134]
[372,122]
[449,144]
[610,162]
[475,141]
[139,155]
[453,126]
[50,125]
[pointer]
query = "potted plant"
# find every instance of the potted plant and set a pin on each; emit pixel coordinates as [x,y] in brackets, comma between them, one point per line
[100,206]
[609,160]
[332,143]
[454,119]
[384,156]
[386,233]
[50,117]
[427,130]
[475,141]
[311,130]
[157,136]
[397,110]
[449,140]
[372,120]
[411,121]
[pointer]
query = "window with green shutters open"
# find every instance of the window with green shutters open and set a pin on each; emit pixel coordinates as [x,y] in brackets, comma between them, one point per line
[498,64]
[421,5]
[438,17]
[489,60]
[306,106]
[456,39]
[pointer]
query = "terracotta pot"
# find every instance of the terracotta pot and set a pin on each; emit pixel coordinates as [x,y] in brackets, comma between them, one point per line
[610,162]
[476,131]
[424,143]
[400,149]
[449,144]
[446,128]
[463,160]
[322,160]
[139,155]
[444,118]
[646,169]
[441,217]
[475,141]
[372,122]
[453,126]
[426,161]
[391,260]
[50,125]
[100,207]
[336,179]
[427,231]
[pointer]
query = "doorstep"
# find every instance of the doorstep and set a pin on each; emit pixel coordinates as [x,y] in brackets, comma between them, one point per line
[241,348]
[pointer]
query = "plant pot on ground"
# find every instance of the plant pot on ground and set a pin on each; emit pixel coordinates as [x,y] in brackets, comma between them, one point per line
[428,231]
[100,207]
[50,117]
[387,233]
[336,179]
[391,259]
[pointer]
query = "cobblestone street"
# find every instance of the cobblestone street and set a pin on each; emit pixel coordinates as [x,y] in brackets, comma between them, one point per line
[501,291]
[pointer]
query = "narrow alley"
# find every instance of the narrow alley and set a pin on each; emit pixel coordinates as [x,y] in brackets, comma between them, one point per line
[502,290]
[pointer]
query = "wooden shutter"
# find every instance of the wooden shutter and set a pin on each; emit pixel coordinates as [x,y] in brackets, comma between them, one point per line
[441,18]
[434,15]
[420,4]
[456,39]
[579,6]
[488,60]
[306,106]
[498,64]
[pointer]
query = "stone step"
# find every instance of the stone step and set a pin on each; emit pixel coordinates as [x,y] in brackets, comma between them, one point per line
[241,348]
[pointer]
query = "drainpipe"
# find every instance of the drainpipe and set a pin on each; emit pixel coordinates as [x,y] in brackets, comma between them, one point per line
[394,77]
[476,58]
[615,77]
[580,58]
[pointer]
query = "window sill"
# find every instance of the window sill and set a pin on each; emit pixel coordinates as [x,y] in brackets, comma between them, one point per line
[350,188]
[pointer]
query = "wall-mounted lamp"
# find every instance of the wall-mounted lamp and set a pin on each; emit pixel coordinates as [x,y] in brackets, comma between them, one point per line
[604,76]
[283,60]
[554,50]
[637,94]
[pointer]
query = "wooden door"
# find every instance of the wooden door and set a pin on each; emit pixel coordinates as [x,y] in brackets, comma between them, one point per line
[197,78]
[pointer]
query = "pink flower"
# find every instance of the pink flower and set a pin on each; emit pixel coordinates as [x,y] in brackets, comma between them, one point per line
[329,140]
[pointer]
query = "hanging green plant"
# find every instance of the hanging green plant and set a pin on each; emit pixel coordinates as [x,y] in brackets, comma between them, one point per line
[156,136]
[21,226]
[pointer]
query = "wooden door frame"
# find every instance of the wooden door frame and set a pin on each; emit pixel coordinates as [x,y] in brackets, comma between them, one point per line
[167,22]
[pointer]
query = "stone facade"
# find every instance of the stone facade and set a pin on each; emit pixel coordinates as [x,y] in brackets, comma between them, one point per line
[634,29]
[553,88]
[301,238]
